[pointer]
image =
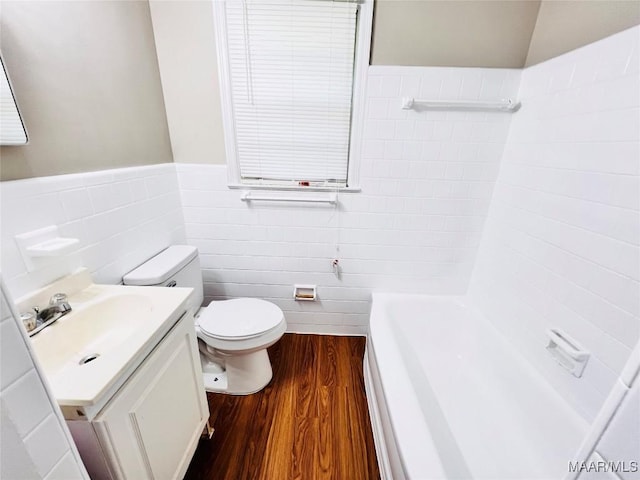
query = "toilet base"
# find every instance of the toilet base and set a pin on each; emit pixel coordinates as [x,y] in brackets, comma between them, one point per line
[243,374]
[215,382]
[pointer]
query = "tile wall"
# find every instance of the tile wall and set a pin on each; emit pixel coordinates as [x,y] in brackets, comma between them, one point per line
[122,217]
[426,179]
[35,442]
[561,244]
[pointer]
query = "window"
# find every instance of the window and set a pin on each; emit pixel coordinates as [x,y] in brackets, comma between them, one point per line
[292,74]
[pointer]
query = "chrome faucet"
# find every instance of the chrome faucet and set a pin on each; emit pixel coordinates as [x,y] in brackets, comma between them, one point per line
[58,308]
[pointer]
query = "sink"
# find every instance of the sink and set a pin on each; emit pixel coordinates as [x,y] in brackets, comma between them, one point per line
[95,329]
[87,354]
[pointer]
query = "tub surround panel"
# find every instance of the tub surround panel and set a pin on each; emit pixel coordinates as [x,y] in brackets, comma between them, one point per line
[561,242]
[122,217]
[426,180]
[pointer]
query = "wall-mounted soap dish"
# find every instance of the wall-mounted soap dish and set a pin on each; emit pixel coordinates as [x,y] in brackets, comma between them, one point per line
[45,242]
[567,352]
[53,247]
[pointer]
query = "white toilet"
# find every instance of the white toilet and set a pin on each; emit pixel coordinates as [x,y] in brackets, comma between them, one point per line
[233,335]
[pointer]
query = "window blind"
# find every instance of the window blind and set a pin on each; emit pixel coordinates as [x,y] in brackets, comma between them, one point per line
[291,66]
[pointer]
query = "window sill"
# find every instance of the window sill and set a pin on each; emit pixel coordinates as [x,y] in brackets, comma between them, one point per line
[284,188]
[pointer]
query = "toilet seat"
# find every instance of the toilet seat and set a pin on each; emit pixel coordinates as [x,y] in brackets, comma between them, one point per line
[239,318]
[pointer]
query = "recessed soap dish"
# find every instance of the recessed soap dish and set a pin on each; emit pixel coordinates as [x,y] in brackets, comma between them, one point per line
[567,352]
[304,292]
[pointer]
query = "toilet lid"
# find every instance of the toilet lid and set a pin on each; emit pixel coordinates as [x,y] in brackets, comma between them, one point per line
[239,318]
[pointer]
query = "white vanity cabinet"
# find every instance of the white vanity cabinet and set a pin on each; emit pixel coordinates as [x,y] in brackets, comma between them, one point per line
[124,367]
[151,426]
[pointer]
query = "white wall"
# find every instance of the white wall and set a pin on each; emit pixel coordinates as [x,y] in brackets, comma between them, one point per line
[122,217]
[427,179]
[560,247]
[35,441]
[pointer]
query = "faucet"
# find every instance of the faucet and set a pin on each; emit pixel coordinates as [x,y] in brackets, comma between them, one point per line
[58,308]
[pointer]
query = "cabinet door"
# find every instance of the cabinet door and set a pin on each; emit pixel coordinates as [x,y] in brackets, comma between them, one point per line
[152,426]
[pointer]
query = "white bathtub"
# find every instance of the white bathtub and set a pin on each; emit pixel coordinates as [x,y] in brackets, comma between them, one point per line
[450,398]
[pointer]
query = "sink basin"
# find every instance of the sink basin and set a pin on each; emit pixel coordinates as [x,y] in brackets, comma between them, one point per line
[90,351]
[96,329]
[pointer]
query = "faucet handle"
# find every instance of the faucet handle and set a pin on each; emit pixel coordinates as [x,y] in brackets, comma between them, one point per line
[58,298]
[60,303]
[29,321]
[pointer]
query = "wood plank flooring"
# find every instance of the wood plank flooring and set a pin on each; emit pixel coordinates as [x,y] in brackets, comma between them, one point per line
[310,422]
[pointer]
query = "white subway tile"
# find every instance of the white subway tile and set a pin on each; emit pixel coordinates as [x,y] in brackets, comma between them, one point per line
[373,85]
[383,129]
[46,445]
[452,85]
[393,150]
[431,86]
[27,402]
[442,131]
[65,469]
[15,361]
[410,86]
[138,189]
[390,85]
[412,150]
[102,197]
[471,84]
[121,192]
[423,130]
[76,203]
[404,129]
[377,108]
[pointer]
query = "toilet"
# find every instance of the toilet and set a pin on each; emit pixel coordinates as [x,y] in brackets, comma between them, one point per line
[233,335]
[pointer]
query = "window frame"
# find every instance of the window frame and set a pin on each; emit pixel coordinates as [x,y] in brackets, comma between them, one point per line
[361,65]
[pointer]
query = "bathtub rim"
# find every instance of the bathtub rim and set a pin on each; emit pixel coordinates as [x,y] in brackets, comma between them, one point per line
[402,457]
[389,460]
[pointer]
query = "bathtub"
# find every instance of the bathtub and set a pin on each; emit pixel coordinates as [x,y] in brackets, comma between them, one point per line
[450,398]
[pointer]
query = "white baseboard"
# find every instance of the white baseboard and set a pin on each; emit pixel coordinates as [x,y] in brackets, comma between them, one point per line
[346,330]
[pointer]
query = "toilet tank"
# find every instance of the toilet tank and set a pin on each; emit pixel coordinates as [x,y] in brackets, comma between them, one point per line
[177,266]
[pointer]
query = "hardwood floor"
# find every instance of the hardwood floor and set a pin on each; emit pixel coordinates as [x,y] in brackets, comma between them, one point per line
[310,422]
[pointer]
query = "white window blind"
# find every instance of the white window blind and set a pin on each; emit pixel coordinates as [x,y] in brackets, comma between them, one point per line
[291,65]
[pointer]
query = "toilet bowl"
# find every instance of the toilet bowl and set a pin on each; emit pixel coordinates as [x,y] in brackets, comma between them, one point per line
[233,335]
[237,333]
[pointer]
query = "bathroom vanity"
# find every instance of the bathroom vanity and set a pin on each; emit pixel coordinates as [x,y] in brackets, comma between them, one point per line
[125,370]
